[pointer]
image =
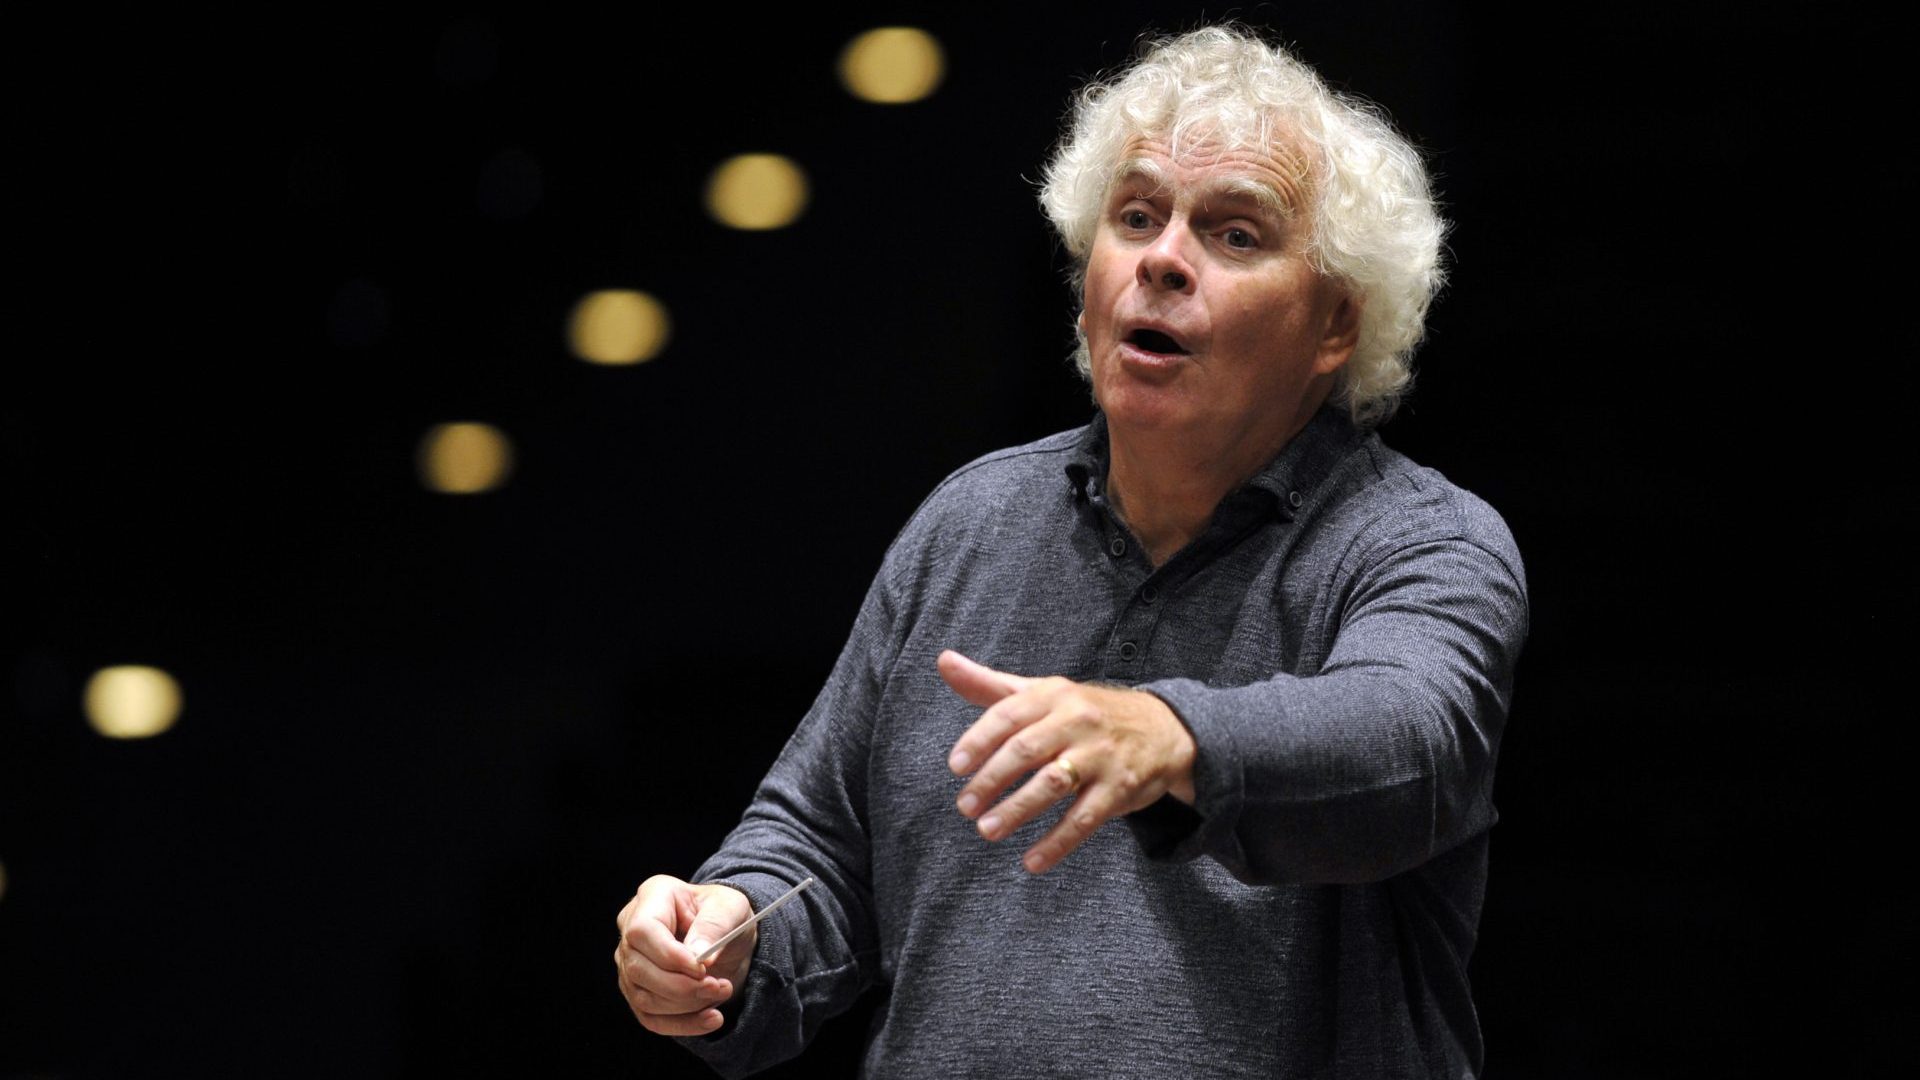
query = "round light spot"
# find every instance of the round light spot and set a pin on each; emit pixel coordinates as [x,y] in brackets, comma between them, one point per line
[892,65]
[618,326]
[131,701]
[465,458]
[757,191]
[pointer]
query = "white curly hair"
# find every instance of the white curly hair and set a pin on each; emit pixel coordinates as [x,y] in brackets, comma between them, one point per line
[1374,225]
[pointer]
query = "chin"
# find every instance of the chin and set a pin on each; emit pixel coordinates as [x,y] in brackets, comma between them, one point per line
[1144,407]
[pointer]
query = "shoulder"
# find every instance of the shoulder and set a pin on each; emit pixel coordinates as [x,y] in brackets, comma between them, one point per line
[1018,475]
[1384,502]
[1005,500]
[1016,470]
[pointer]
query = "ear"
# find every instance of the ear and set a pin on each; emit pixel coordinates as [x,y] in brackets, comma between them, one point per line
[1080,324]
[1340,335]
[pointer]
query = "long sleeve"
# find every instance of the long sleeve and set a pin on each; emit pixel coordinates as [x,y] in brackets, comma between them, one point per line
[1383,758]
[1341,642]
[809,817]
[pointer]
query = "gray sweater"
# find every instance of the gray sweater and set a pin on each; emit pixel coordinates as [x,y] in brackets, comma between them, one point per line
[1341,642]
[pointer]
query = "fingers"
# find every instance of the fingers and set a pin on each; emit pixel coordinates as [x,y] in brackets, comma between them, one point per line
[1127,749]
[1050,783]
[1102,798]
[667,990]
[978,683]
[713,914]
[666,1015]
[699,1024]
[719,911]
[652,919]
[1092,809]
[1065,721]
[667,1002]
[650,990]
[1032,747]
[1001,720]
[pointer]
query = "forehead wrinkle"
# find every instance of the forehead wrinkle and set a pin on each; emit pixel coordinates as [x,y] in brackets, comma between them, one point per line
[1280,189]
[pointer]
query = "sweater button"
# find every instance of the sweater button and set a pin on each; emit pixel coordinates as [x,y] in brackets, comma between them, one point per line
[1128,650]
[1148,594]
[1117,548]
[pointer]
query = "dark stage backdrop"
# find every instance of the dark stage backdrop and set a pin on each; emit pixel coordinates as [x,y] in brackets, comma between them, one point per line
[431,743]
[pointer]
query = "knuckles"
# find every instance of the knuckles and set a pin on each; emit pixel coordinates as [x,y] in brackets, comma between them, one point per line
[1083,712]
[1023,745]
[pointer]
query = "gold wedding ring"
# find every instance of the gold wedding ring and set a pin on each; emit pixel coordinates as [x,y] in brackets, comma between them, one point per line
[1073,774]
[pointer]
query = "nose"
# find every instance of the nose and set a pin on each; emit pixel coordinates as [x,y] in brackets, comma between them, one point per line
[1164,265]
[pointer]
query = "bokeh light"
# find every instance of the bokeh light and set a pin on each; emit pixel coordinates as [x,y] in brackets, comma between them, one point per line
[757,191]
[132,701]
[618,326]
[464,458]
[892,65]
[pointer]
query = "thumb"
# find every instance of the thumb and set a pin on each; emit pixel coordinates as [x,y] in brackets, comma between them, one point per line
[720,911]
[978,683]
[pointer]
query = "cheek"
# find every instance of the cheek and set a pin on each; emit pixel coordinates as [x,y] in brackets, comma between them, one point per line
[1277,319]
[1096,315]
[1094,297]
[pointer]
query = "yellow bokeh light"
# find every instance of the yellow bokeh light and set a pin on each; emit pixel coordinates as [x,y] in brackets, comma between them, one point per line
[617,326]
[464,458]
[757,191]
[892,65]
[132,701]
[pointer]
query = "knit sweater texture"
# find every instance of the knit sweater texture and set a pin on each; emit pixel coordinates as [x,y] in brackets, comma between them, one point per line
[1340,641]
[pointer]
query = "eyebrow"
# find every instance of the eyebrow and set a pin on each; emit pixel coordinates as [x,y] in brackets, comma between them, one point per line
[1142,169]
[1253,191]
[1241,188]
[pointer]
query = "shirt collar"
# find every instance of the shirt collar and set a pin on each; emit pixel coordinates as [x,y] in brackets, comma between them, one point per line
[1290,478]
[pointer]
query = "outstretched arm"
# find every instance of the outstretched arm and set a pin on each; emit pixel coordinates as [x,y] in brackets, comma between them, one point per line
[1380,760]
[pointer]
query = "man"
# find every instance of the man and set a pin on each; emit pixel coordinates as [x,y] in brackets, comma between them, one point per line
[1223,613]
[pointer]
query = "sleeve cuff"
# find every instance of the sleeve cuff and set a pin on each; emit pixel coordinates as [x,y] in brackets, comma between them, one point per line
[757,1004]
[1164,829]
[1171,830]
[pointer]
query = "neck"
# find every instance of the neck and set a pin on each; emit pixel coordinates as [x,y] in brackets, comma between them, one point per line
[1166,487]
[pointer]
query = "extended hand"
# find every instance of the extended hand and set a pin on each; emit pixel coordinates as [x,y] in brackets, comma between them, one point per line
[665,986]
[1120,749]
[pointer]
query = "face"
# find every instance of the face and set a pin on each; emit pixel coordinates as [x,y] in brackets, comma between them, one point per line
[1204,320]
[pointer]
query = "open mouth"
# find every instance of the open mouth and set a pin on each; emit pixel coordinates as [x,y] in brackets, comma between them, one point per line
[1156,342]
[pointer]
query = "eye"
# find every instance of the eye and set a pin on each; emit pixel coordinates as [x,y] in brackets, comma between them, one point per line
[1135,219]
[1241,238]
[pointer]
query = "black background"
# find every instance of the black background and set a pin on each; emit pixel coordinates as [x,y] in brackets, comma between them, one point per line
[432,743]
